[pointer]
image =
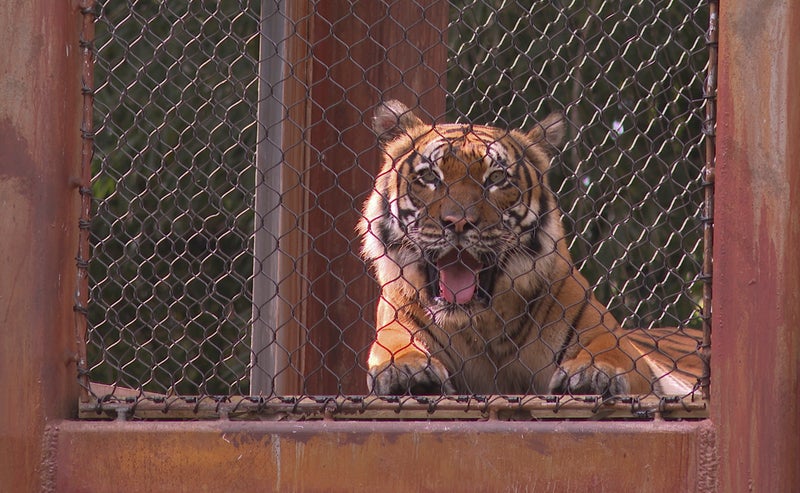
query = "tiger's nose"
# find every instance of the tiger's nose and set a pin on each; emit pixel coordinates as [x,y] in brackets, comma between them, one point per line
[459,222]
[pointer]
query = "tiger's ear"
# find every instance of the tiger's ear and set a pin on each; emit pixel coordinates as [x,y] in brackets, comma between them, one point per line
[549,133]
[392,118]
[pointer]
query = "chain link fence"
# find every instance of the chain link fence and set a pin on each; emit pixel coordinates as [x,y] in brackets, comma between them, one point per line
[234,153]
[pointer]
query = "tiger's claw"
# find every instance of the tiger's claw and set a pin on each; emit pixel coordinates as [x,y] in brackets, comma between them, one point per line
[589,379]
[414,374]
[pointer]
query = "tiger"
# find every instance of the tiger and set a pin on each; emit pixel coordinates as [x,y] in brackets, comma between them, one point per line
[478,292]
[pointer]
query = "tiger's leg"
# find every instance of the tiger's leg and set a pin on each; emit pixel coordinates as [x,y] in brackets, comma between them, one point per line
[399,364]
[603,366]
[591,359]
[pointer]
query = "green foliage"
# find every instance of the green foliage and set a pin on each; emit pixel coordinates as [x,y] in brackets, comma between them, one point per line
[174,184]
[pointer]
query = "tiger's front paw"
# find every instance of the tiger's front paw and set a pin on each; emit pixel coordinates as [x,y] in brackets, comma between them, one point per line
[410,373]
[598,378]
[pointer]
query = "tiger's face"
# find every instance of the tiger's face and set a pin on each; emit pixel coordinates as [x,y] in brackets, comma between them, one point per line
[455,204]
[463,209]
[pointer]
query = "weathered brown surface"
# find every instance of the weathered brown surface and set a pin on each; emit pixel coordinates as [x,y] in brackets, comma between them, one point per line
[751,443]
[39,157]
[418,457]
[756,331]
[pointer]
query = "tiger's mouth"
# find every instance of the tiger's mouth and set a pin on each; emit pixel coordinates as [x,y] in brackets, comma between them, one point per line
[459,278]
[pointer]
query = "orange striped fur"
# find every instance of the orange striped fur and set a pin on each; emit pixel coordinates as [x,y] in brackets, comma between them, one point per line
[479,294]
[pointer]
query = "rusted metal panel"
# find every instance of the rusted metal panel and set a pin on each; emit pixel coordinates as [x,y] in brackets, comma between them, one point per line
[419,457]
[355,64]
[39,160]
[756,330]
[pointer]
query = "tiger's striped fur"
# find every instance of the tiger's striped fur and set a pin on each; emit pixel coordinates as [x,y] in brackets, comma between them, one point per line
[478,290]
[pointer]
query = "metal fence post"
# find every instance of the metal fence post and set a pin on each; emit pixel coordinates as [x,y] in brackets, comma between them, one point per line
[40,156]
[756,335]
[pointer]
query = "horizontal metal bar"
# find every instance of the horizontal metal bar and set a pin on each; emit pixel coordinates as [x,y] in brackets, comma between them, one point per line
[397,408]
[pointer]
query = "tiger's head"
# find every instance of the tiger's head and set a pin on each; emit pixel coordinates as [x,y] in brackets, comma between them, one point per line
[457,206]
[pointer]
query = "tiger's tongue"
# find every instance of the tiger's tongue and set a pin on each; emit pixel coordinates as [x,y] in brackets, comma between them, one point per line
[458,277]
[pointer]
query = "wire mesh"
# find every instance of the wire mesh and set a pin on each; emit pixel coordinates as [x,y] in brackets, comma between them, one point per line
[231,166]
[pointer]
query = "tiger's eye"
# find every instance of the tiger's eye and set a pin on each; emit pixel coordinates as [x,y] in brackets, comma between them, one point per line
[427,176]
[496,177]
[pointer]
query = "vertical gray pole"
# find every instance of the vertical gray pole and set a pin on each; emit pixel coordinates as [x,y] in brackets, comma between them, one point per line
[269,156]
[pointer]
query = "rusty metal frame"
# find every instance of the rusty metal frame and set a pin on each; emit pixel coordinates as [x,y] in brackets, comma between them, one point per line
[40,155]
[749,444]
[756,336]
